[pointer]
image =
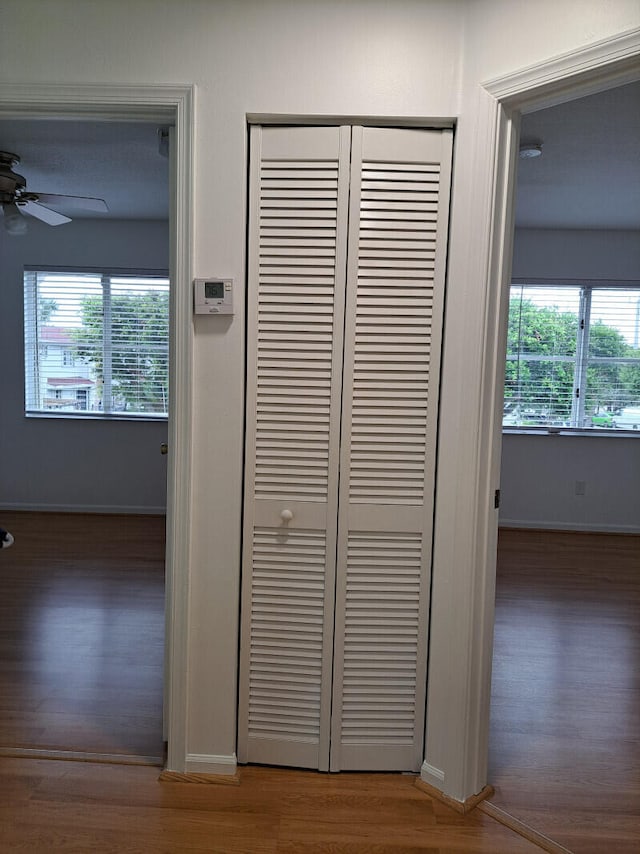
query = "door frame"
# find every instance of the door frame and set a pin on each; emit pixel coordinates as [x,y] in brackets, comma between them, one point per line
[168,105]
[597,67]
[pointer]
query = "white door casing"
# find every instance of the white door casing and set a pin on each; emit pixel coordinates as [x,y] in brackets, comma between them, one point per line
[457,734]
[168,105]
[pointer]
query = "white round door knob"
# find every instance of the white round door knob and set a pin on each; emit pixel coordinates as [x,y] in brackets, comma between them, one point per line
[286,515]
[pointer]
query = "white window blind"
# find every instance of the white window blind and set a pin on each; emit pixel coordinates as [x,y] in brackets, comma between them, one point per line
[573,357]
[96,343]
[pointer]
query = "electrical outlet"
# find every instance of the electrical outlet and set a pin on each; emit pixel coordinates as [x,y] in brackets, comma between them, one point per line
[581,487]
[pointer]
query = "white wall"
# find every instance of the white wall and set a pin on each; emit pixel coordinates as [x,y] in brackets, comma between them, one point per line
[539,472]
[417,58]
[91,465]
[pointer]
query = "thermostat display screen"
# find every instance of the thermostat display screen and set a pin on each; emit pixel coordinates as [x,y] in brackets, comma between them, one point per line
[214,290]
[213,296]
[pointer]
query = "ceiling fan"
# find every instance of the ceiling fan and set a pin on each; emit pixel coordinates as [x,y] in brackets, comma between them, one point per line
[16,200]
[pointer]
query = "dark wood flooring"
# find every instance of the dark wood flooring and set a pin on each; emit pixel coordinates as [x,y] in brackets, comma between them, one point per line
[81,669]
[82,808]
[565,719]
[82,633]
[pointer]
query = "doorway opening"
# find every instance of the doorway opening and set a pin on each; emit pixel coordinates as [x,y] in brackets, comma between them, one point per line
[561,594]
[86,475]
[140,108]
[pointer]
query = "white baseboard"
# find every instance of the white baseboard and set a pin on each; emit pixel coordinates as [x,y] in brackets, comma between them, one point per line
[127,510]
[433,776]
[202,763]
[588,527]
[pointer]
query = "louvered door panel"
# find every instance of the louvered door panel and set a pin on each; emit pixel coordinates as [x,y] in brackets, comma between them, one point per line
[287,637]
[297,264]
[381,640]
[395,290]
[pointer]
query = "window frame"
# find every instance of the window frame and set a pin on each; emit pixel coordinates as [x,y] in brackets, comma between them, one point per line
[31,337]
[581,360]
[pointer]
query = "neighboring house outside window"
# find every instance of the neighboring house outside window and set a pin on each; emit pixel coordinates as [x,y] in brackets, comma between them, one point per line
[96,343]
[59,379]
[573,356]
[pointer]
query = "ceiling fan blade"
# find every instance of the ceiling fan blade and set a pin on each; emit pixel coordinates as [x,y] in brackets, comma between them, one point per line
[79,202]
[42,213]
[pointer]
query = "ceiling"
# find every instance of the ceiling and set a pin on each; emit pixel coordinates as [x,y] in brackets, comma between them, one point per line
[115,161]
[587,177]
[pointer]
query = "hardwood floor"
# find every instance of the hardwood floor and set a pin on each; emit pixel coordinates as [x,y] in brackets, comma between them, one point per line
[81,646]
[82,633]
[565,720]
[80,807]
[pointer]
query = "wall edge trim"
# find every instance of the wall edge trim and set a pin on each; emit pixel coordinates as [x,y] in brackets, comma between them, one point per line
[543,842]
[578,527]
[124,509]
[462,807]
[203,763]
[431,774]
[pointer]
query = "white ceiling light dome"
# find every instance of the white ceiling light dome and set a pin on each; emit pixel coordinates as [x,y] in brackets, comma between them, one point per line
[529,150]
[14,223]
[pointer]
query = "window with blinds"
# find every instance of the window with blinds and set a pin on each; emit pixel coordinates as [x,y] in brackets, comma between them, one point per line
[96,343]
[573,357]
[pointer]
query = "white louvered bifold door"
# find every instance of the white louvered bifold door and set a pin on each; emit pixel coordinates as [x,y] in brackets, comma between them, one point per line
[399,196]
[347,245]
[297,265]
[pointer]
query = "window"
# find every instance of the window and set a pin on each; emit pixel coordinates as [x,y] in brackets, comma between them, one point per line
[96,343]
[573,357]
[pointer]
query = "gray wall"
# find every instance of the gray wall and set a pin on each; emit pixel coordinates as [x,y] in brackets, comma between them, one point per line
[56,464]
[540,472]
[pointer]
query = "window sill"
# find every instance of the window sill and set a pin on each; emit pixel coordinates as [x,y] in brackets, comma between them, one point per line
[89,416]
[570,431]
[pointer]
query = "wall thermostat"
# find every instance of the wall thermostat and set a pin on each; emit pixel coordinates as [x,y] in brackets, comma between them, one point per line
[213,296]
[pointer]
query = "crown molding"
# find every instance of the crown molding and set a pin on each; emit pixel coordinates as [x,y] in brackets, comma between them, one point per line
[555,77]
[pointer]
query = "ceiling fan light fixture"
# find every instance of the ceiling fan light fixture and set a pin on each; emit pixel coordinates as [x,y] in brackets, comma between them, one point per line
[17,202]
[529,150]
[14,223]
